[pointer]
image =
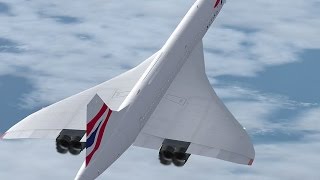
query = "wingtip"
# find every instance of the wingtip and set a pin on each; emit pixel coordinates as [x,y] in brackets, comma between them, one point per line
[250,162]
[2,137]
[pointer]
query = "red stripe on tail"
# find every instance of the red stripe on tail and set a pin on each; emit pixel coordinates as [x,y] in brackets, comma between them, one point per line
[100,136]
[91,124]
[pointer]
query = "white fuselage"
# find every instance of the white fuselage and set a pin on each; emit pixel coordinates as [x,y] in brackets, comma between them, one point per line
[151,87]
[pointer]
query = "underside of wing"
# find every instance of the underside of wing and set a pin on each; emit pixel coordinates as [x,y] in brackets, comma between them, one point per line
[70,113]
[191,112]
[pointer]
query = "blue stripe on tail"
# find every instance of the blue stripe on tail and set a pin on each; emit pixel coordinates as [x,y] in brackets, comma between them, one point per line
[92,137]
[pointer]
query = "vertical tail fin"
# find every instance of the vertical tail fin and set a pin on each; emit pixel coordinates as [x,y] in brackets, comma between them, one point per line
[108,136]
[98,114]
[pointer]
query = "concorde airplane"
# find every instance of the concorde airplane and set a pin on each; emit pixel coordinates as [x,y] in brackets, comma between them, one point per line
[166,103]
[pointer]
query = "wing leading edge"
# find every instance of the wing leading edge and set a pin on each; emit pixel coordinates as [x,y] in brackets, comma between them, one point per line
[191,112]
[70,113]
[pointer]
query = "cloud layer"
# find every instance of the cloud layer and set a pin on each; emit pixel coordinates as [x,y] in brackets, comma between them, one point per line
[63,47]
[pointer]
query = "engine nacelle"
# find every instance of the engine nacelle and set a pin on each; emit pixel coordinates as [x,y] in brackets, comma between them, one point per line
[69,140]
[63,143]
[180,158]
[166,154]
[76,146]
[173,151]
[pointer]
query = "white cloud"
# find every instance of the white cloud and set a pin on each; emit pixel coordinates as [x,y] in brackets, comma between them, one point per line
[285,161]
[253,35]
[109,37]
[309,120]
[122,34]
[54,55]
[255,110]
[35,160]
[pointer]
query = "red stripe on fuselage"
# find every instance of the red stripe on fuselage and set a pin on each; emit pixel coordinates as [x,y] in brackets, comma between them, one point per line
[217,3]
[93,122]
[100,136]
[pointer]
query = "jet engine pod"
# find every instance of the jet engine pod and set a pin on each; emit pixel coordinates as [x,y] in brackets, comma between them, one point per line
[76,146]
[166,155]
[63,143]
[180,158]
[69,140]
[174,151]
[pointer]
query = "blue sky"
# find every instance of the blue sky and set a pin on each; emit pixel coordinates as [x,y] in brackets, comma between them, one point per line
[262,58]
